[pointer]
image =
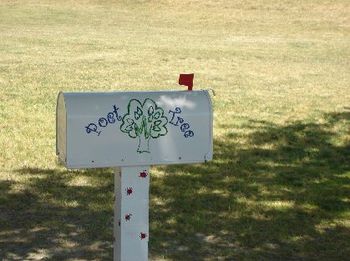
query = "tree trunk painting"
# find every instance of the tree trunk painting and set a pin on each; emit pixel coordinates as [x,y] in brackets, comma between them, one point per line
[143,145]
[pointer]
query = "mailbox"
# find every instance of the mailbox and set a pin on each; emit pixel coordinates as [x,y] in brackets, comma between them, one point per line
[133,128]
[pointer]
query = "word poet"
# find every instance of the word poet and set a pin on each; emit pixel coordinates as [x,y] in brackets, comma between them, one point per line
[111,118]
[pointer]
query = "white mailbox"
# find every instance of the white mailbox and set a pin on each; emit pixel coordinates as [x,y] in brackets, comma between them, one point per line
[131,131]
[133,128]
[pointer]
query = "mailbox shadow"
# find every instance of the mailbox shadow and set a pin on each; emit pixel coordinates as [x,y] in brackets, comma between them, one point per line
[284,195]
[272,192]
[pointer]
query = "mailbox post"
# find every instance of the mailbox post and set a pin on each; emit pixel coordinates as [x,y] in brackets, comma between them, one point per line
[132,131]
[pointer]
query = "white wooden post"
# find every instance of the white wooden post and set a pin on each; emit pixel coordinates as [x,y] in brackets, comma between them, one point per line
[131,208]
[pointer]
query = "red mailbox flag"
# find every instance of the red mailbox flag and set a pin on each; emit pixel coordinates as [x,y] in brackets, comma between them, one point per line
[186,79]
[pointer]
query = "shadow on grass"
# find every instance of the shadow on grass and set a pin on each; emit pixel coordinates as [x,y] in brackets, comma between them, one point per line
[283,194]
[55,218]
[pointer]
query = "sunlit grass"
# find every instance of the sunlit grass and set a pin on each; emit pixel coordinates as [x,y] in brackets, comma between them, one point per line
[278,187]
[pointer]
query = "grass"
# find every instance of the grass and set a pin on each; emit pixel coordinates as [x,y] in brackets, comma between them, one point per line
[278,187]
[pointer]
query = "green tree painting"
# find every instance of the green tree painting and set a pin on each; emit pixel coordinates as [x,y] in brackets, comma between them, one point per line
[144,121]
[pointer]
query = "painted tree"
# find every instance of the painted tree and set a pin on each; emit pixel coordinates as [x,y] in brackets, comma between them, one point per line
[144,121]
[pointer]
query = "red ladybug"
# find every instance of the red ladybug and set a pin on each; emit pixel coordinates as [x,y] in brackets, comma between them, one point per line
[143,235]
[143,174]
[128,217]
[129,191]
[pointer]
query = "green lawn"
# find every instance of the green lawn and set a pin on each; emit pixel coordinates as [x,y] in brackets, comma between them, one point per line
[279,185]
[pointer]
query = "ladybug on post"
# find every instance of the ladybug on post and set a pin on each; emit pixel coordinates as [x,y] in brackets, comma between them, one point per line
[128,217]
[143,174]
[129,191]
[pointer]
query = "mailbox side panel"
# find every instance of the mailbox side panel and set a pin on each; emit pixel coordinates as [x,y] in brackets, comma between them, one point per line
[138,128]
[61,128]
[209,156]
